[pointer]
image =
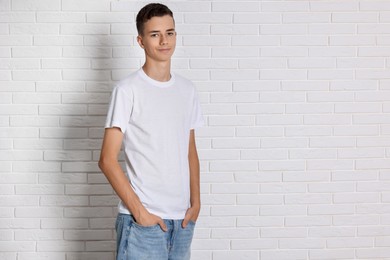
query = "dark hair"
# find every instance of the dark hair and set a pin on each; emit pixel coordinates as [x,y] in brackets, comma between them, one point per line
[148,12]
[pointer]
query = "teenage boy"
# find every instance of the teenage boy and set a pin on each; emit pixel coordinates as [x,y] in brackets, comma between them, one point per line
[153,113]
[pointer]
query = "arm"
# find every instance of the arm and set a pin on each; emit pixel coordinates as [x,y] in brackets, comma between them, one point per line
[193,212]
[111,168]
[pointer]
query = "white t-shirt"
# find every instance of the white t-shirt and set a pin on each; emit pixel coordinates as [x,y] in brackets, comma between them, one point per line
[156,118]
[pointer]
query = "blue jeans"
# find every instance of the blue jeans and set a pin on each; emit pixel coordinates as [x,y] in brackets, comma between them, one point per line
[135,242]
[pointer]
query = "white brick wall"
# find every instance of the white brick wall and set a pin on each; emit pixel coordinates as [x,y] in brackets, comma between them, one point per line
[295,155]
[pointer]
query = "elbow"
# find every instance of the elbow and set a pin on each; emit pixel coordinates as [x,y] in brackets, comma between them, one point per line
[103,164]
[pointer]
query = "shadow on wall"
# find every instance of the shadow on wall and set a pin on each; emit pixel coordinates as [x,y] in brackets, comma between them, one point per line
[89,203]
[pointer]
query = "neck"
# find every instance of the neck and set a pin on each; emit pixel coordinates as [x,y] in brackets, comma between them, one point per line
[160,71]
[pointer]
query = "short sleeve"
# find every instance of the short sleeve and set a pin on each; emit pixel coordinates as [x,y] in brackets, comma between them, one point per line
[196,115]
[119,110]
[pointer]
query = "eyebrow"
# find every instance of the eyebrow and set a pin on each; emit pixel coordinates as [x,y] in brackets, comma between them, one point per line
[156,31]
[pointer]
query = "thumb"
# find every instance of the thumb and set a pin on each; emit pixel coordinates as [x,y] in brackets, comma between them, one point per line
[162,225]
[185,221]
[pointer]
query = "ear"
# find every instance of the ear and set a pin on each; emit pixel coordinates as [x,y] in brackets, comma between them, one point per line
[139,40]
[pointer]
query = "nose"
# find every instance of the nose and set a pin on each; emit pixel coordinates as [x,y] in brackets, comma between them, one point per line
[163,39]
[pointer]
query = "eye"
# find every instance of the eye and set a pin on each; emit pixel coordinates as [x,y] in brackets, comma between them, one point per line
[153,35]
[171,33]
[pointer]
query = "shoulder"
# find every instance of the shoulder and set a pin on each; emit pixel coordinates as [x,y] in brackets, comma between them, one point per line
[126,84]
[184,83]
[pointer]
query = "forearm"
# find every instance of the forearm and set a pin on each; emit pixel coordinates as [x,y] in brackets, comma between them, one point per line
[194,179]
[193,161]
[116,177]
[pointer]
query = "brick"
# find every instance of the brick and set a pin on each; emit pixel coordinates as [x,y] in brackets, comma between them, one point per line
[235,29]
[262,63]
[283,74]
[354,175]
[90,255]
[64,223]
[360,153]
[282,187]
[331,119]
[279,120]
[281,165]
[17,246]
[236,143]
[246,199]
[86,5]
[230,255]
[38,212]
[259,131]
[260,108]
[301,243]
[8,256]
[292,40]
[284,254]
[308,199]
[33,28]
[84,29]
[293,6]
[284,232]
[233,166]
[12,178]
[329,164]
[218,109]
[234,188]
[330,29]
[331,209]
[12,223]
[87,234]
[42,75]
[264,154]
[15,40]
[306,17]
[374,5]
[60,17]
[235,7]
[253,244]
[260,177]
[60,40]
[208,18]
[308,221]
[62,110]
[33,5]
[310,63]
[235,233]
[283,29]
[215,40]
[349,243]
[89,98]
[304,85]
[35,52]
[333,7]
[356,220]
[332,232]
[260,221]
[65,63]
[36,235]
[58,246]
[332,51]
[339,40]
[332,254]
[20,155]
[234,211]
[41,256]
[64,201]
[301,131]
[60,86]
[308,176]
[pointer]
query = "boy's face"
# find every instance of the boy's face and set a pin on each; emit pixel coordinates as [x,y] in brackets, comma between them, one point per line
[159,38]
